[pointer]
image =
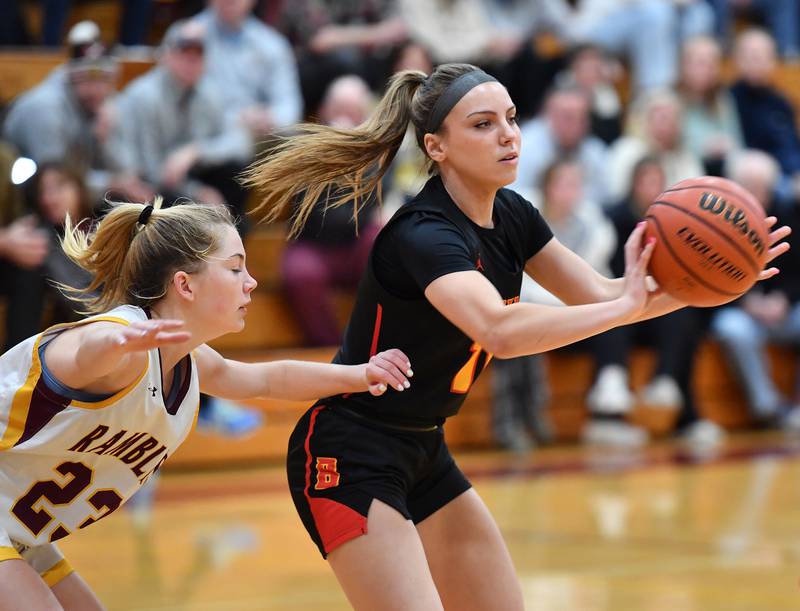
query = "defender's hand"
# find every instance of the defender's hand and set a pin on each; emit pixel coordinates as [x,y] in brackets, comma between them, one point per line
[388,368]
[141,336]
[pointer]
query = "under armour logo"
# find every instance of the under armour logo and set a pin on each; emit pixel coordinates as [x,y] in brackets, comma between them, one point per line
[478,264]
[153,390]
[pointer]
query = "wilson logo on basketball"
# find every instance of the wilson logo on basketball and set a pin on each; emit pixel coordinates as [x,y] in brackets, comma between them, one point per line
[710,258]
[737,217]
[711,240]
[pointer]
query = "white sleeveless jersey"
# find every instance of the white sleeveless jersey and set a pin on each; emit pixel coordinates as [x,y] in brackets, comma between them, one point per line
[65,464]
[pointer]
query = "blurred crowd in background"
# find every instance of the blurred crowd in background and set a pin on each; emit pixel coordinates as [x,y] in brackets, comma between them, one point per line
[616,99]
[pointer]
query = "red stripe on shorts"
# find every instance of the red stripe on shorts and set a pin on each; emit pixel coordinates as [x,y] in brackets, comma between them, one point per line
[336,523]
[307,446]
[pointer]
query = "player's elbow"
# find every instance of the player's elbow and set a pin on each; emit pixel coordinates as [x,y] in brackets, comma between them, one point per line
[498,342]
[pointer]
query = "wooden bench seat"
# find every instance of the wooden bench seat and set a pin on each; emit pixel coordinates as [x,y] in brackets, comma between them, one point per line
[23,69]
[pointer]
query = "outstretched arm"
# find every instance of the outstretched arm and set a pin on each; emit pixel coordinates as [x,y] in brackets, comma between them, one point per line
[107,356]
[299,380]
[575,282]
[471,303]
[571,279]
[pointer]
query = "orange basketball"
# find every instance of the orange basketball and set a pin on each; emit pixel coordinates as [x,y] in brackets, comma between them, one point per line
[711,240]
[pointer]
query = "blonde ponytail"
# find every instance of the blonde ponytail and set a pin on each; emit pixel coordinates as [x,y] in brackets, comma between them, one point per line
[132,262]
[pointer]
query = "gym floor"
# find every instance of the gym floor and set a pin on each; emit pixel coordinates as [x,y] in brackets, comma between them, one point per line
[589,530]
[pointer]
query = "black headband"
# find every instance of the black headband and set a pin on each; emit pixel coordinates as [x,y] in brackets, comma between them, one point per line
[454,92]
[144,215]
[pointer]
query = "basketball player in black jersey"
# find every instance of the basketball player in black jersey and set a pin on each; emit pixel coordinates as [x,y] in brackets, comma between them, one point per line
[372,477]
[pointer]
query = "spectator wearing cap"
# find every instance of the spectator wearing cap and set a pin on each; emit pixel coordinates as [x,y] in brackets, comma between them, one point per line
[252,67]
[62,118]
[171,129]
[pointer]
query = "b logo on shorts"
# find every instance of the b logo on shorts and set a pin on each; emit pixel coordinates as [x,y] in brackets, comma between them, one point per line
[327,475]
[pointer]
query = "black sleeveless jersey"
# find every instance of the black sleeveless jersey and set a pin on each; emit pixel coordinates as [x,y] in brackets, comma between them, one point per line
[445,360]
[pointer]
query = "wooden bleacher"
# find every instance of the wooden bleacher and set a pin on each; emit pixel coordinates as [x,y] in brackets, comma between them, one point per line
[22,69]
[272,332]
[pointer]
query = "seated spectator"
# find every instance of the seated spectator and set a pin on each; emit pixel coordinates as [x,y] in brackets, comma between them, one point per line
[55,191]
[768,313]
[172,131]
[767,116]
[23,249]
[645,29]
[331,251]
[496,35]
[32,262]
[674,336]
[711,128]
[251,67]
[62,117]
[782,17]
[332,38]
[654,129]
[591,70]
[520,384]
[562,130]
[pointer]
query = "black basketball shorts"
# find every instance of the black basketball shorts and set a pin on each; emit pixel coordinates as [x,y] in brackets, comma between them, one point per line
[339,462]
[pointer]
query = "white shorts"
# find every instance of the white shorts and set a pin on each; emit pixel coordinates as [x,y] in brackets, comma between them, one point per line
[46,559]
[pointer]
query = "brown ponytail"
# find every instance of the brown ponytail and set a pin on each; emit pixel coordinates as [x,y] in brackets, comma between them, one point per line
[133,262]
[347,165]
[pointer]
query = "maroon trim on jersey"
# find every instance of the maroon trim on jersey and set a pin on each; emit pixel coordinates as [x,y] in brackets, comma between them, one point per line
[336,523]
[373,349]
[43,407]
[173,406]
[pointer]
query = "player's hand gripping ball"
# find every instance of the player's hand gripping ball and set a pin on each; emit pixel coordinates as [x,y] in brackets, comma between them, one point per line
[711,240]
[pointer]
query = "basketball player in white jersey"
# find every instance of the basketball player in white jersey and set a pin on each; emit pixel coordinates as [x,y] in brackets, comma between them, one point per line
[89,411]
